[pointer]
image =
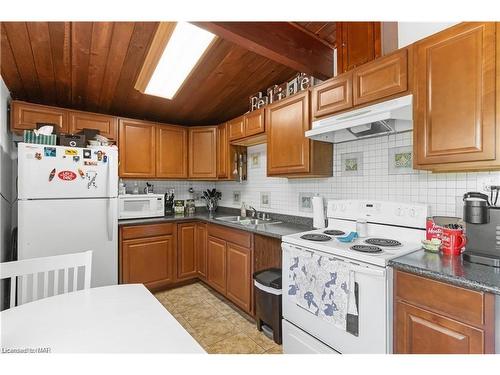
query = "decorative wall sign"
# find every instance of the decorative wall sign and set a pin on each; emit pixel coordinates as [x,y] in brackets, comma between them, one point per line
[292,86]
[352,164]
[305,202]
[254,100]
[265,199]
[401,160]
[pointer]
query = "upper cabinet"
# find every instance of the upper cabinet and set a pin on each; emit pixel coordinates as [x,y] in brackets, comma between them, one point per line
[290,153]
[358,43]
[27,116]
[236,128]
[254,122]
[222,152]
[107,125]
[381,78]
[455,94]
[171,151]
[137,149]
[203,152]
[244,129]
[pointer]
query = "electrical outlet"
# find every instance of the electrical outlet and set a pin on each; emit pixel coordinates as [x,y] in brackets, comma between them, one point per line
[484,183]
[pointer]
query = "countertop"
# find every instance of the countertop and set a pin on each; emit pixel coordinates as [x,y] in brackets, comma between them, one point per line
[270,230]
[450,269]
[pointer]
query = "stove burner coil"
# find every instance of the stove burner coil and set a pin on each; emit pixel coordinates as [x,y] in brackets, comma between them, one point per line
[383,242]
[334,232]
[315,237]
[366,248]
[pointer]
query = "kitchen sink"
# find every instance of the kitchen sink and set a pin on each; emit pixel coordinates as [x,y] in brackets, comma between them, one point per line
[246,220]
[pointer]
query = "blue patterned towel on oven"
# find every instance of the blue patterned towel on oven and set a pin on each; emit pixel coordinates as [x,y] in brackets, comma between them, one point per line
[321,285]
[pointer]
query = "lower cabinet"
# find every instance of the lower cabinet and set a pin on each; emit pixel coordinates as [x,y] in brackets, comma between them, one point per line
[216,262]
[186,251]
[148,255]
[201,242]
[238,275]
[432,317]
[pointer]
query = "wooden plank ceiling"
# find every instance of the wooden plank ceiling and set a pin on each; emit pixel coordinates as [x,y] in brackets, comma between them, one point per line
[93,66]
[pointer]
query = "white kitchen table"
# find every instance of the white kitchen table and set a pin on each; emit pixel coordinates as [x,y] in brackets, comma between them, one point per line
[112,319]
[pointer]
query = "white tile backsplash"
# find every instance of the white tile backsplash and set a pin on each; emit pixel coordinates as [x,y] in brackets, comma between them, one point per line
[441,191]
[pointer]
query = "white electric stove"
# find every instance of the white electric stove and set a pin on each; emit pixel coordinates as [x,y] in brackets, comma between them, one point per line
[392,230]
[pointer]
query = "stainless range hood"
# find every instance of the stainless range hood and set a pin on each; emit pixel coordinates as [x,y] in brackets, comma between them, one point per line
[392,116]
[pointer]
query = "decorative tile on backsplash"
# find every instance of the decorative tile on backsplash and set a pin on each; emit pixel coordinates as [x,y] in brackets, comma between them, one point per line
[255,160]
[305,202]
[352,164]
[401,160]
[265,200]
[236,197]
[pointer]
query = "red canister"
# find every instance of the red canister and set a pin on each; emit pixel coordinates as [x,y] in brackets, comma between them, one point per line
[432,229]
[452,241]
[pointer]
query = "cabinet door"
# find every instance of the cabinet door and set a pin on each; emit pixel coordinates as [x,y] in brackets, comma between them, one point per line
[254,122]
[288,148]
[419,331]
[137,154]
[332,96]
[203,152]
[216,264]
[359,43]
[239,275]
[201,242]
[236,128]
[171,151]
[26,116]
[186,251]
[222,152]
[381,78]
[454,88]
[107,125]
[149,260]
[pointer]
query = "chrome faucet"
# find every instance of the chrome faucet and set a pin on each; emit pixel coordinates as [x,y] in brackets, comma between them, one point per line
[255,214]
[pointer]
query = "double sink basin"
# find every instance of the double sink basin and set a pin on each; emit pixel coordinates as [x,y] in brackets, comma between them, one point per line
[245,221]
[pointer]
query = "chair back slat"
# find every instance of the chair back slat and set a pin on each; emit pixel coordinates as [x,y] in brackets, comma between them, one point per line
[28,270]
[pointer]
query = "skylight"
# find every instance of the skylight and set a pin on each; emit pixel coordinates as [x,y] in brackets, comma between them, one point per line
[184,48]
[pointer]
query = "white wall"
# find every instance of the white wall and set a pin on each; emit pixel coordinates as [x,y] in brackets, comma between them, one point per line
[441,191]
[409,32]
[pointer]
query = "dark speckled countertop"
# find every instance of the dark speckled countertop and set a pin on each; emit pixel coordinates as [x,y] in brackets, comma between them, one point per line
[450,269]
[270,230]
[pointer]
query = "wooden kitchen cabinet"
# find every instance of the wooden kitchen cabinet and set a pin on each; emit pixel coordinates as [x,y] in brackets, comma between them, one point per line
[254,122]
[186,251]
[358,43]
[381,78]
[455,100]
[27,116]
[107,125]
[201,243]
[236,128]
[433,317]
[137,145]
[171,151]
[222,152]
[148,255]
[203,152]
[239,275]
[332,96]
[216,264]
[290,153]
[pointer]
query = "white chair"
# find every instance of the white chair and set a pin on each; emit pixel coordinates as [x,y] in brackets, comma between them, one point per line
[21,270]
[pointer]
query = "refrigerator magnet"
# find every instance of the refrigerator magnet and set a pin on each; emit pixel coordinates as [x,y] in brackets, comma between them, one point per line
[52,174]
[70,152]
[76,158]
[38,156]
[87,154]
[80,172]
[105,158]
[50,152]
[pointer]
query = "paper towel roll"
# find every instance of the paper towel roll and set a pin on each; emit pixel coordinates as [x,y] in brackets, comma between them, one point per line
[318,212]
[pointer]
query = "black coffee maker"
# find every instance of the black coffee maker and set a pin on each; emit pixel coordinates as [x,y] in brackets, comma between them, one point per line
[482,227]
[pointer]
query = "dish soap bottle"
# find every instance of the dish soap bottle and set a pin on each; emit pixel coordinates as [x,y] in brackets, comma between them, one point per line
[243,210]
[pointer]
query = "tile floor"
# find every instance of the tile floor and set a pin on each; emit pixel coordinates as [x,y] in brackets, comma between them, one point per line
[217,325]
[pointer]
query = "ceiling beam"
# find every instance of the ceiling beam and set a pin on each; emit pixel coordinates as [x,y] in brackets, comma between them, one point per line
[281,42]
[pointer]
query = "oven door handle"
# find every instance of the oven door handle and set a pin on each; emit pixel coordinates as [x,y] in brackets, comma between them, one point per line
[368,271]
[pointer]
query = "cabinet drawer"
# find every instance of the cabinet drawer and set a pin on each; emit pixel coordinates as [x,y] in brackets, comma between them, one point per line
[463,304]
[381,78]
[235,236]
[140,231]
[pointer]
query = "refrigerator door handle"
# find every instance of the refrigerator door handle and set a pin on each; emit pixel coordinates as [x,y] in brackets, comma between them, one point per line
[109,220]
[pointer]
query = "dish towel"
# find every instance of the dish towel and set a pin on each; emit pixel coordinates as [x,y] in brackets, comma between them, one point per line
[324,286]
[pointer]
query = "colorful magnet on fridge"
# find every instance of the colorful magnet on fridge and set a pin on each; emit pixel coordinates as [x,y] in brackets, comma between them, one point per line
[87,154]
[87,162]
[80,172]
[76,158]
[52,174]
[50,152]
[70,152]
[99,155]
[105,158]
[38,156]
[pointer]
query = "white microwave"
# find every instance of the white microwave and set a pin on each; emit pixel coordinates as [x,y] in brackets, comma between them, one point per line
[132,206]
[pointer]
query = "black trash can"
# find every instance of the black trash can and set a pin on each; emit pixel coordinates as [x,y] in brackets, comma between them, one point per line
[268,302]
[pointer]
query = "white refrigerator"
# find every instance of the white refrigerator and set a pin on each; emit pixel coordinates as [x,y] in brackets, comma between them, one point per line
[68,204]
